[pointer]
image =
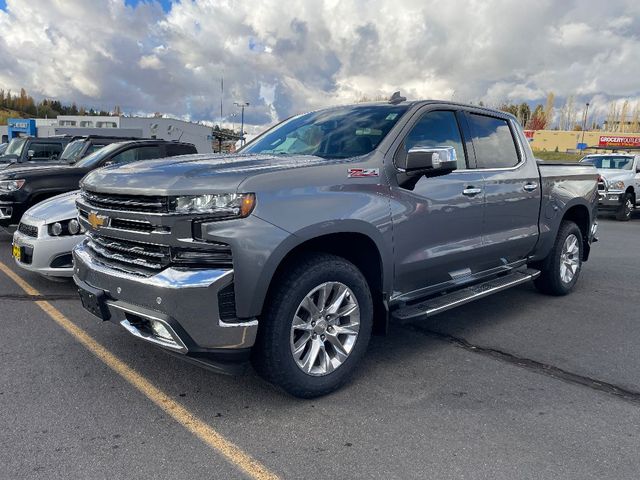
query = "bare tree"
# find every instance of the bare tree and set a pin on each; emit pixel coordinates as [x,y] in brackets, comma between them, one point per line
[635,118]
[548,109]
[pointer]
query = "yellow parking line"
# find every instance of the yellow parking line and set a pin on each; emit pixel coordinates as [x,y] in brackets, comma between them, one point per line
[199,428]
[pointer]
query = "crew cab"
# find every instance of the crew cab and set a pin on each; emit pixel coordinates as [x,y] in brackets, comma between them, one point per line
[81,146]
[33,150]
[619,182]
[325,228]
[23,187]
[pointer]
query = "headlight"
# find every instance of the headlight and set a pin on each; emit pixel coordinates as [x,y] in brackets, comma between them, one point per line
[66,227]
[223,205]
[11,185]
[619,185]
[74,226]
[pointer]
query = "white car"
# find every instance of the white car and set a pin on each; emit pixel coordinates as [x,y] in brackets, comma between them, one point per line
[46,235]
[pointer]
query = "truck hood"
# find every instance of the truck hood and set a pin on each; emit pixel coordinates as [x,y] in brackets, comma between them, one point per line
[15,170]
[191,174]
[54,209]
[6,160]
[612,175]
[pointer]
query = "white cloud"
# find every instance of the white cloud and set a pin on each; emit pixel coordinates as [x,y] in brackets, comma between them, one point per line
[286,58]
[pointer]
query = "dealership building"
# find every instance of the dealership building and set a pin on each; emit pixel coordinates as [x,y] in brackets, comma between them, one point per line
[141,127]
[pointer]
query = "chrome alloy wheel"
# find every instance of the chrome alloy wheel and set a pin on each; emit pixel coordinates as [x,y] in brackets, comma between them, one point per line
[628,208]
[569,259]
[325,328]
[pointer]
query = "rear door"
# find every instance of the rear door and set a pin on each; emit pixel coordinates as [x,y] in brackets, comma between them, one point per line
[512,188]
[437,221]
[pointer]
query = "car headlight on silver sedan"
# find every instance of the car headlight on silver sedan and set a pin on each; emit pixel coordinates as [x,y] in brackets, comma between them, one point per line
[7,186]
[616,185]
[218,205]
[65,227]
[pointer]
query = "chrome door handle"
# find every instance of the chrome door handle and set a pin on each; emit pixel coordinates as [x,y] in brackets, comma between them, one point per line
[530,187]
[471,191]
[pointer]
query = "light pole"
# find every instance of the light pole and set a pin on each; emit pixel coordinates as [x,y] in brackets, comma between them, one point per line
[242,105]
[233,120]
[584,122]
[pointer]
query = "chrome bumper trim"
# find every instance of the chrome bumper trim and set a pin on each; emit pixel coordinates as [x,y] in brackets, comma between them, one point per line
[177,344]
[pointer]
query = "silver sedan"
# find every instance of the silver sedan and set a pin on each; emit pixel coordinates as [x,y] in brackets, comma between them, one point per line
[46,235]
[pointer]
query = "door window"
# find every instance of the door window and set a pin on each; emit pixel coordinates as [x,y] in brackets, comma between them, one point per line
[137,153]
[46,150]
[493,142]
[437,129]
[180,149]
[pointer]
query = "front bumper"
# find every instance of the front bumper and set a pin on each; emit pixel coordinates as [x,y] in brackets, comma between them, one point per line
[10,213]
[610,200]
[185,300]
[45,251]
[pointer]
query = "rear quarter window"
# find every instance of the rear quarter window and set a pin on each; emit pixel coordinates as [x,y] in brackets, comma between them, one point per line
[173,150]
[493,142]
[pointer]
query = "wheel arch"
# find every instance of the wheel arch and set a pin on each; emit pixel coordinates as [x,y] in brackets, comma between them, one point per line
[362,249]
[579,214]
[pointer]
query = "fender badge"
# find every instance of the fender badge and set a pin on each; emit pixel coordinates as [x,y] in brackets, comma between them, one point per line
[362,172]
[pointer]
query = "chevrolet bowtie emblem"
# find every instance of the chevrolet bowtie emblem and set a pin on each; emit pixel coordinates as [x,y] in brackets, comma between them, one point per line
[97,220]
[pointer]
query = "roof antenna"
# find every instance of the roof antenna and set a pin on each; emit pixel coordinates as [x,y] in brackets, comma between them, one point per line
[396,98]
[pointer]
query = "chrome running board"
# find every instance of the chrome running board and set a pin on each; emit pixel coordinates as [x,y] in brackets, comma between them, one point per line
[435,305]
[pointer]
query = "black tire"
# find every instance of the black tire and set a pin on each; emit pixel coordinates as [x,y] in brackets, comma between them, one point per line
[550,280]
[272,355]
[626,209]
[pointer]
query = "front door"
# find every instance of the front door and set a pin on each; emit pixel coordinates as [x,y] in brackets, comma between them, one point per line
[437,221]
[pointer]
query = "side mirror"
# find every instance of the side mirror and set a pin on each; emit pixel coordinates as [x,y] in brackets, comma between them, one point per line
[31,153]
[430,160]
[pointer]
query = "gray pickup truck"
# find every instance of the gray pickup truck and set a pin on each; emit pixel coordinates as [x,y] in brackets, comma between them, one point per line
[315,235]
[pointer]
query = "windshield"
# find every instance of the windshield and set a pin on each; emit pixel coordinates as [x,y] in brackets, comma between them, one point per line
[333,133]
[72,152]
[15,146]
[610,162]
[93,159]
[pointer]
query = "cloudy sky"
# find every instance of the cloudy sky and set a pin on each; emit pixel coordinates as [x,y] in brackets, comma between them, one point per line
[289,56]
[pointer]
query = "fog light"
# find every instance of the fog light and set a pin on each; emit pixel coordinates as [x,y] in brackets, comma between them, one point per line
[159,330]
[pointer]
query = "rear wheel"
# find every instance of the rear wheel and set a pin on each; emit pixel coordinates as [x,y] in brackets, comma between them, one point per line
[561,269]
[316,327]
[624,212]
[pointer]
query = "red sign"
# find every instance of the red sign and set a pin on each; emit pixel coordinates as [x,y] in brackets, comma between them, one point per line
[618,141]
[529,134]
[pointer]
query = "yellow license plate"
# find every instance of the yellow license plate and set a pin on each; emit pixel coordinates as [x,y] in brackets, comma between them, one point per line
[17,251]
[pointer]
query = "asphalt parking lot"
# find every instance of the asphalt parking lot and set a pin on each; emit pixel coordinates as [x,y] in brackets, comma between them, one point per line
[518,385]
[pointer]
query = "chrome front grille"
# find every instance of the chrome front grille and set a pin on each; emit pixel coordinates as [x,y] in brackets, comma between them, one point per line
[133,257]
[28,230]
[131,203]
[147,259]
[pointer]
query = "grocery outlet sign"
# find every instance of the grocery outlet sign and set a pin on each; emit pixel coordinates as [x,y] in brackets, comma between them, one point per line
[618,141]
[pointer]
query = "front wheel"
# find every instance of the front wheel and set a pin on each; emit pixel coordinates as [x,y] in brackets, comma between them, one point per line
[561,269]
[316,326]
[624,212]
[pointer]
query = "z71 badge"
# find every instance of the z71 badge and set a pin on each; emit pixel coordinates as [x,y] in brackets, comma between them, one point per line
[362,172]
